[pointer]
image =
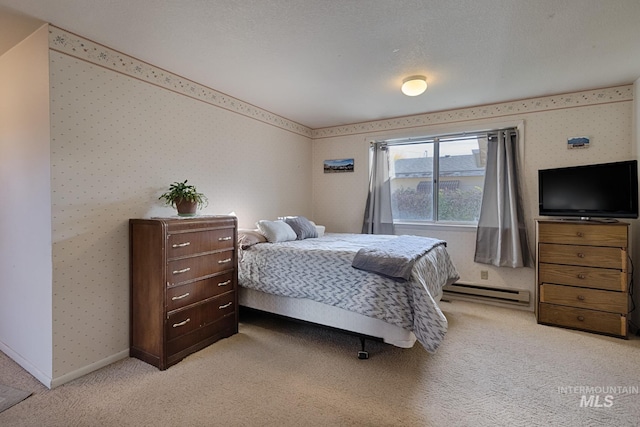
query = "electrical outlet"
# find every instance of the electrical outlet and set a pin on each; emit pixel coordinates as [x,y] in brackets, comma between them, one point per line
[484,274]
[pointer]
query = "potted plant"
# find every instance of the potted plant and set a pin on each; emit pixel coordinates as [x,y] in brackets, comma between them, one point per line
[185,198]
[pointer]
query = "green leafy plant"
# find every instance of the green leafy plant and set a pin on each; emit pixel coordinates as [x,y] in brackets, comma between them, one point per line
[182,191]
[454,205]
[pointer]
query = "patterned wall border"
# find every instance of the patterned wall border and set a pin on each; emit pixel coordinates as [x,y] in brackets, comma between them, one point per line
[76,46]
[547,103]
[71,44]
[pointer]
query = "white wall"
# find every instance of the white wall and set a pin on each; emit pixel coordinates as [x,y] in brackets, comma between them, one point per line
[25,211]
[603,114]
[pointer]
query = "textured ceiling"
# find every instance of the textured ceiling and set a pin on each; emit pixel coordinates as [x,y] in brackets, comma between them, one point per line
[331,62]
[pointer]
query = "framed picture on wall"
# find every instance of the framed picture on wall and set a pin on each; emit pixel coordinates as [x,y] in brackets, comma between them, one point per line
[338,165]
[578,142]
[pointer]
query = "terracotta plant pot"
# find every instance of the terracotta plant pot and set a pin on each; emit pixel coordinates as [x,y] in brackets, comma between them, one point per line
[186,207]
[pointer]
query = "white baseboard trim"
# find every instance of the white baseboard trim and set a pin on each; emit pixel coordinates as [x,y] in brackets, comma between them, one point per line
[58,381]
[26,365]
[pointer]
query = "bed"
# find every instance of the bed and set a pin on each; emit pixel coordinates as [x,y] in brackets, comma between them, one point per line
[313,279]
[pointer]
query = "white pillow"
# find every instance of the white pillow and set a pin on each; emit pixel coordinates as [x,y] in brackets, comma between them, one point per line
[319,228]
[276,231]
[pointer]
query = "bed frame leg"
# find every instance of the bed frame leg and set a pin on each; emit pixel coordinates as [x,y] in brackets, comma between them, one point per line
[362,354]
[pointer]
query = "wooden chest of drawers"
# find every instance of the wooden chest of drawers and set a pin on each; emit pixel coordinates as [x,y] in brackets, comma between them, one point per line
[582,276]
[183,286]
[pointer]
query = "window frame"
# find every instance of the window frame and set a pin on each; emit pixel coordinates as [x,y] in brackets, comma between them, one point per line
[425,134]
[436,180]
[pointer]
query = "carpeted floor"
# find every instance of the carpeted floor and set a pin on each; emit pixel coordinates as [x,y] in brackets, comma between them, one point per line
[496,367]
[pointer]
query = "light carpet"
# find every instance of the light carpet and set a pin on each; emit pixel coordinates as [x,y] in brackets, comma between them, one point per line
[496,367]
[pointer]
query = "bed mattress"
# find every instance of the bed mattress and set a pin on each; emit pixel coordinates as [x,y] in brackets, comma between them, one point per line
[320,270]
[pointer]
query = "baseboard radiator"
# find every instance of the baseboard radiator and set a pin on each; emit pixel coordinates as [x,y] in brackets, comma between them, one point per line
[503,295]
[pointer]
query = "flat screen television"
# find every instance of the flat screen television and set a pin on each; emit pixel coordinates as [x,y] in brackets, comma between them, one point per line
[606,190]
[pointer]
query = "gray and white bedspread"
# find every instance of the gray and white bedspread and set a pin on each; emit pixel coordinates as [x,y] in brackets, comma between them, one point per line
[320,269]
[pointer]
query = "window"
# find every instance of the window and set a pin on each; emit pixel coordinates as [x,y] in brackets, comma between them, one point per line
[437,179]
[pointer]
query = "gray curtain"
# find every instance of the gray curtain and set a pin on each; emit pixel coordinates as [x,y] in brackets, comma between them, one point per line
[377,215]
[502,236]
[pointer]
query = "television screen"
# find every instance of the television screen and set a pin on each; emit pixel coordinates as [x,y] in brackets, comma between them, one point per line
[606,190]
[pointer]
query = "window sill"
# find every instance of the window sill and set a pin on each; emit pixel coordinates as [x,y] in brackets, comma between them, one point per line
[435,226]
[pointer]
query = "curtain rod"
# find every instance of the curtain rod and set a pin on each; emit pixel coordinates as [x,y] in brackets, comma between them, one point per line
[432,138]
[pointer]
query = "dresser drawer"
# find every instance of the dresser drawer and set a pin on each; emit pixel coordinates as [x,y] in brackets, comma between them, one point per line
[189,269]
[196,242]
[583,234]
[188,320]
[579,318]
[590,256]
[586,277]
[614,302]
[183,295]
[200,338]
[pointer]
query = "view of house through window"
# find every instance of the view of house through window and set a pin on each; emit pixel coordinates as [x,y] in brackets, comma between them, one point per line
[437,179]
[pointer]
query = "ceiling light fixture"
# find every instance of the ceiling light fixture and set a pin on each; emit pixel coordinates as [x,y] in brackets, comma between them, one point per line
[414,85]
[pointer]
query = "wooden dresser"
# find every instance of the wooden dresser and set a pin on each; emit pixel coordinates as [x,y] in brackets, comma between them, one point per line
[183,286]
[582,275]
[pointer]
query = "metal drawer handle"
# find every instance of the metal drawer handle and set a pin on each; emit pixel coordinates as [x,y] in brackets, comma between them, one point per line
[176,325]
[581,318]
[580,255]
[579,234]
[580,298]
[224,261]
[180,245]
[581,276]
[224,283]
[224,239]
[184,270]
[180,297]
[226,305]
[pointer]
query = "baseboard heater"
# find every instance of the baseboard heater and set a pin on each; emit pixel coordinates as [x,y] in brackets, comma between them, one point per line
[505,295]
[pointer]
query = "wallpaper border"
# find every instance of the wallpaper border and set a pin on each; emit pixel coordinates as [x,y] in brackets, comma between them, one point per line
[502,109]
[71,44]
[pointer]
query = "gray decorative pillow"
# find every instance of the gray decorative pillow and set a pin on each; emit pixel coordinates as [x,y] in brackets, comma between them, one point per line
[302,226]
